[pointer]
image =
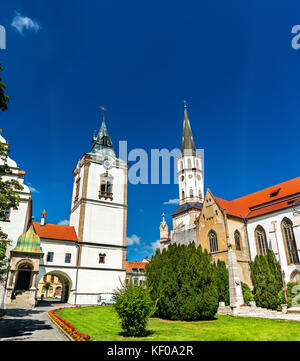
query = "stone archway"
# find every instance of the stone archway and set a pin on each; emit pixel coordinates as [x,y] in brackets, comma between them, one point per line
[59,281]
[24,277]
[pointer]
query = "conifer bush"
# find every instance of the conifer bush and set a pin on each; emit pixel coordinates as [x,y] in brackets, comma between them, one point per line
[267,280]
[247,294]
[134,306]
[182,280]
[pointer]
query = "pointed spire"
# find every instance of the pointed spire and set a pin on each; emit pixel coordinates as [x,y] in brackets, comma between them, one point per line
[187,135]
[102,144]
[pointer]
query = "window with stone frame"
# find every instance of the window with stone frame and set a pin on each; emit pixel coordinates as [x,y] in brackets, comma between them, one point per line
[77,190]
[50,256]
[213,241]
[106,186]
[102,258]
[237,240]
[261,241]
[289,241]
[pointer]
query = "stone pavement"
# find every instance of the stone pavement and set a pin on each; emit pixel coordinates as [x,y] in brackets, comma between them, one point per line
[29,324]
[258,312]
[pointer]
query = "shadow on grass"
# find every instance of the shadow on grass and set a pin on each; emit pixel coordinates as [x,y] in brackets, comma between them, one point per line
[145,334]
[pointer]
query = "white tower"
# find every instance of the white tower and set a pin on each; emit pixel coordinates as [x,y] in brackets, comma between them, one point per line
[99,213]
[189,167]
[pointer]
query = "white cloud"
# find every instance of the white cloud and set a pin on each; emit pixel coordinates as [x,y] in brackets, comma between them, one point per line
[65,222]
[172,201]
[32,189]
[134,239]
[20,23]
[155,245]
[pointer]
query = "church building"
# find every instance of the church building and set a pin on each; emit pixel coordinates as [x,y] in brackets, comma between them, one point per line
[249,225]
[89,255]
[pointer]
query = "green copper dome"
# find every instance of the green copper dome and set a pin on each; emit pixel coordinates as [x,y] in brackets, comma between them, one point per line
[29,242]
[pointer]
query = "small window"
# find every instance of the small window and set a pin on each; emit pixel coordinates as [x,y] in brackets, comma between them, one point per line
[274,193]
[50,256]
[45,278]
[4,214]
[77,190]
[102,257]
[52,278]
[68,258]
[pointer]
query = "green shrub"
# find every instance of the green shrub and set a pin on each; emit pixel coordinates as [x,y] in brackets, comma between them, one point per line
[267,280]
[134,306]
[291,293]
[247,294]
[183,282]
[222,279]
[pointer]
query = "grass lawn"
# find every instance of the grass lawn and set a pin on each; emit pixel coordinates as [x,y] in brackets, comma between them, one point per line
[102,324]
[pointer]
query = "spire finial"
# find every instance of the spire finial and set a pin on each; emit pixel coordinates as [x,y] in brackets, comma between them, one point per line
[163,215]
[104,110]
[184,104]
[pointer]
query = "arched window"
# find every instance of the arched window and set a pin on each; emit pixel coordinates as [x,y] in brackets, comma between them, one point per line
[237,240]
[289,241]
[191,193]
[213,241]
[261,241]
[295,277]
[106,185]
[189,163]
[200,194]
[182,195]
[181,165]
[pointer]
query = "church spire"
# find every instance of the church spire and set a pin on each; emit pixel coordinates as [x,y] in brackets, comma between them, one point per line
[187,135]
[102,144]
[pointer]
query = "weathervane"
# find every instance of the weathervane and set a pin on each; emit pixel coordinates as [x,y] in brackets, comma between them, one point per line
[104,110]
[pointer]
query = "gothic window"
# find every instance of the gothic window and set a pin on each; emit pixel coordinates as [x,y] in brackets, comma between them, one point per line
[106,185]
[237,239]
[102,257]
[213,241]
[289,241]
[182,195]
[181,165]
[200,194]
[261,241]
[191,193]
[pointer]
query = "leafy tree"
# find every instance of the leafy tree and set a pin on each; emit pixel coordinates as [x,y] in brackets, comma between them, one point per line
[3,97]
[46,286]
[182,281]
[134,306]
[9,197]
[266,280]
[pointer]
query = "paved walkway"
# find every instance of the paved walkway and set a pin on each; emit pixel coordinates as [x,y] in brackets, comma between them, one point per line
[31,324]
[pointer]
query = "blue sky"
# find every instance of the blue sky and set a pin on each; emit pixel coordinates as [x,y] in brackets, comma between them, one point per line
[232,61]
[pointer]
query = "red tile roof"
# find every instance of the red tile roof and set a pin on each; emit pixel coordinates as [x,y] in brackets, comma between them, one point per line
[135,265]
[264,201]
[128,269]
[55,231]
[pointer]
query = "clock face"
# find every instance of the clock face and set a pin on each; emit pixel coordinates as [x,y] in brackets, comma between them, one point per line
[107,164]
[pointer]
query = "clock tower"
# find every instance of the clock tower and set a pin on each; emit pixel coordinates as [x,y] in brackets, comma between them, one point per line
[99,211]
